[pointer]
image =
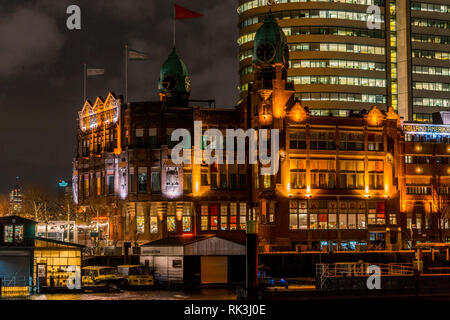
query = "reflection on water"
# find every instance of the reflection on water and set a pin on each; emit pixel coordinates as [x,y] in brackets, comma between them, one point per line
[203,294]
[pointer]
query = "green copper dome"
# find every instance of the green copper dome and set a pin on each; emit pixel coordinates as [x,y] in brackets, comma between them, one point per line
[270,44]
[174,76]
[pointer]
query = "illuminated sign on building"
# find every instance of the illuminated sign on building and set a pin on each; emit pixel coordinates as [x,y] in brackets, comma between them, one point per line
[426,129]
[62,184]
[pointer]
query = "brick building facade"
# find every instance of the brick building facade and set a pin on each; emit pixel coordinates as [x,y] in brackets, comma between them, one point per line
[342,182]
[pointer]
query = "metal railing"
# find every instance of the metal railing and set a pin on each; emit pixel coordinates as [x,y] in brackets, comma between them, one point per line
[15,281]
[354,269]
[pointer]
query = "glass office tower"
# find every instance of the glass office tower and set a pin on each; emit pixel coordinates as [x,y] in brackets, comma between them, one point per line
[340,62]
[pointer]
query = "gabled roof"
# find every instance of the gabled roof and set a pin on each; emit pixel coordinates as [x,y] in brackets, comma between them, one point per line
[60,242]
[182,241]
[87,109]
[110,99]
[98,105]
[176,241]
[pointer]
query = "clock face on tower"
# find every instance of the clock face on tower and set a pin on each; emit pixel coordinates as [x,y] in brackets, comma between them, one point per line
[169,82]
[265,52]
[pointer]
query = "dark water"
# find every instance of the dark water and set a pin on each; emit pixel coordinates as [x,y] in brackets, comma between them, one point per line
[203,294]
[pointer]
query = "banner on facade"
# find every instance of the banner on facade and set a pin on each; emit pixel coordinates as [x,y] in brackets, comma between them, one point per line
[171,180]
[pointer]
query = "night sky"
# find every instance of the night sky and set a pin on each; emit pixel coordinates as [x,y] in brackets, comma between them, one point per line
[41,70]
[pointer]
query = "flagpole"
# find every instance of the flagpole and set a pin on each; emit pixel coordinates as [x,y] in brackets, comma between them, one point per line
[126,73]
[84,82]
[174,23]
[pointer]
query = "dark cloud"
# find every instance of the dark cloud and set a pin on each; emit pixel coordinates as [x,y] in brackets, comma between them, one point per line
[30,38]
[41,69]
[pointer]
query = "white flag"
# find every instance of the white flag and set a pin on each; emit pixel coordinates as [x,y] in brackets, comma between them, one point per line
[95,72]
[136,55]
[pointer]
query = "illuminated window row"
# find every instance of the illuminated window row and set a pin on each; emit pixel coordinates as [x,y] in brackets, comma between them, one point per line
[328,113]
[431,7]
[431,102]
[245,55]
[246,38]
[348,97]
[325,214]
[413,189]
[310,14]
[428,54]
[336,31]
[341,64]
[246,70]
[260,3]
[338,47]
[430,38]
[431,86]
[421,22]
[431,70]
[339,80]
[223,216]
[326,140]
[244,87]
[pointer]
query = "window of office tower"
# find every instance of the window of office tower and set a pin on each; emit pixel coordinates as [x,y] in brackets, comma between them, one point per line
[259,3]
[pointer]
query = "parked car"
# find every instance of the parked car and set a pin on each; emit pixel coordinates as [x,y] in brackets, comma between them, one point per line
[138,276]
[95,277]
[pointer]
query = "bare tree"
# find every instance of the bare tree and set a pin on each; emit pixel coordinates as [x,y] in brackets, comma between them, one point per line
[36,203]
[95,207]
[4,205]
[441,203]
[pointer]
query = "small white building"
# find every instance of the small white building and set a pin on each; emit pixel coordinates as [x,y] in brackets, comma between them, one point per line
[195,259]
[57,230]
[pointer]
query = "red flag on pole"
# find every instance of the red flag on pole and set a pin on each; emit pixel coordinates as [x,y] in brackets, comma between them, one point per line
[183,13]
